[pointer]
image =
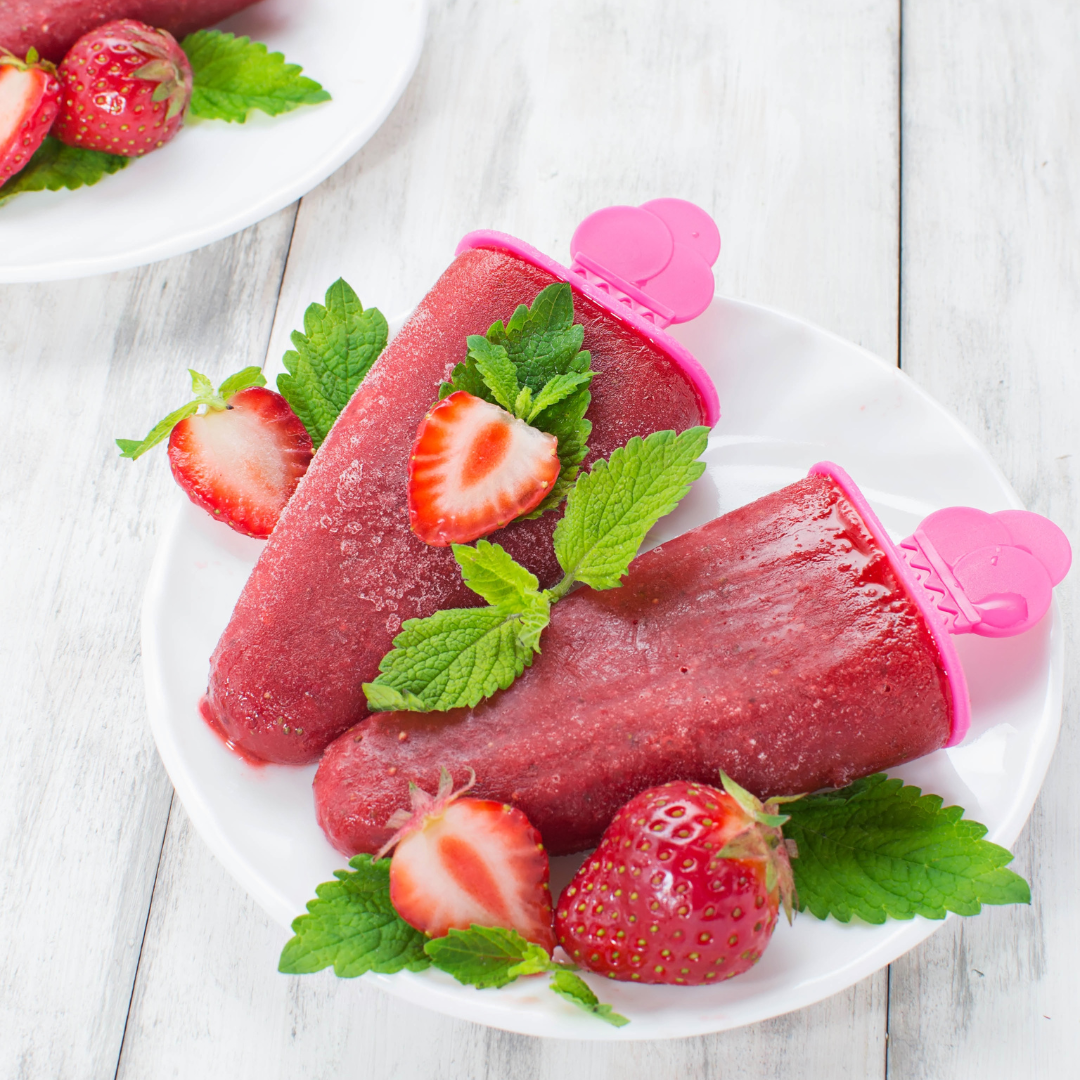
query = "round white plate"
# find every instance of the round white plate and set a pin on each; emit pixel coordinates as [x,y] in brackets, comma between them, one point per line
[215,178]
[791,395]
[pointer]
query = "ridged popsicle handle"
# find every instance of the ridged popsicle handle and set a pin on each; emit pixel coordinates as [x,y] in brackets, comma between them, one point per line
[987,574]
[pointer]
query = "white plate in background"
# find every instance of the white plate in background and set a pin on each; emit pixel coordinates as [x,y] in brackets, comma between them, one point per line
[790,395]
[216,178]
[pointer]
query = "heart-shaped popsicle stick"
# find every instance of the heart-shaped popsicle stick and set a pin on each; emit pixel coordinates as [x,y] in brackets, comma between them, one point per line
[988,574]
[656,258]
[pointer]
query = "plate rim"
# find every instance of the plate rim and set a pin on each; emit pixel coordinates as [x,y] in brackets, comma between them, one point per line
[181,243]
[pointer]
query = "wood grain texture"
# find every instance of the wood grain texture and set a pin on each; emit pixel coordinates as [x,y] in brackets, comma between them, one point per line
[991,325]
[781,119]
[84,801]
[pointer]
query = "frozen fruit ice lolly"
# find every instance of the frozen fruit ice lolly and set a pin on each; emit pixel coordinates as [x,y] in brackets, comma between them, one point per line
[788,643]
[342,570]
[53,26]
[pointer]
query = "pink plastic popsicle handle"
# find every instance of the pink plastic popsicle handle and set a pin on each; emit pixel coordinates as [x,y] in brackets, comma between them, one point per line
[988,574]
[971,572]
[649,266]
[656,258]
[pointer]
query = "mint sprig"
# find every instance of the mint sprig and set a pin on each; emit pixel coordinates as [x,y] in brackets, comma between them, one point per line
[880,849]
[457,657]
[335,352]
[55,166]
[353,926]
[205,395]
[534,368]
[485,956]
[233,75]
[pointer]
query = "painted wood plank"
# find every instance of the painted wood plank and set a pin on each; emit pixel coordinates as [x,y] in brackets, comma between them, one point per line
[779,118]
[991,321]
[84,799]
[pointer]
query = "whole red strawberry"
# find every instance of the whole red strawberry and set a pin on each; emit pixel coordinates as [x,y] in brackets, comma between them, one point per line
[684,888]
[29,103]
[125,89]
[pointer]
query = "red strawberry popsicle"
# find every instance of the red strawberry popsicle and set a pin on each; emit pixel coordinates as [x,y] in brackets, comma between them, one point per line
[789,643]
[53,26]
[342,570]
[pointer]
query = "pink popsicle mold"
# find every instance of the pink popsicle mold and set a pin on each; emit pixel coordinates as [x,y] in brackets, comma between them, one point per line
[970,572]
[649,266]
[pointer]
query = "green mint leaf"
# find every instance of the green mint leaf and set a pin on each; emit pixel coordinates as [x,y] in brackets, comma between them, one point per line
[55,165]
[554,391]
[353,926]
[459,656]
[339,344]
[486,956]
[542,339]
[613,506]
[233,75]
[574,988]
[242,380]
[383,698]
[497,370]
[544,346]
[205,394]
[491,573]
[201,386]
[134,448]
[523,402]
[879,849]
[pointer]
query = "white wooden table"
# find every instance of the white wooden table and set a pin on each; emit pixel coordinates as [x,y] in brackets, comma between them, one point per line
[905,174]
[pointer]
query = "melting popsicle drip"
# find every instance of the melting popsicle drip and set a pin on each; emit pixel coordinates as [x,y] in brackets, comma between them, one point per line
[987,574]
[656,259]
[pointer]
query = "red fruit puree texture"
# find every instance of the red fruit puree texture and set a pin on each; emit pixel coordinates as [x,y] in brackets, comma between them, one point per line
[342,569]
[53,26]
[775,643]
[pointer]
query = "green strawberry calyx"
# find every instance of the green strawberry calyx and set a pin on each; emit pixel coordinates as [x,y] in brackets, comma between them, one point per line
[763,840]
[174,84]
[32,62]
[205,396]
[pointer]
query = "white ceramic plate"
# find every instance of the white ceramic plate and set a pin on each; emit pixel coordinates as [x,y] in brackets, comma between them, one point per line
[791,395]
[215,178]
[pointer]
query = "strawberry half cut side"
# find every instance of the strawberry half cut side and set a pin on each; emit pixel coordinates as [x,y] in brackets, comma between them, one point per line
[242,462]
[464,862]
[29,104]
[474,468]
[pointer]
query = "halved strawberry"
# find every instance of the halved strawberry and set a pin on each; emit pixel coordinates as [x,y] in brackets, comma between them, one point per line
[29,103]
[463,862]
[243,462]
[474,468]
